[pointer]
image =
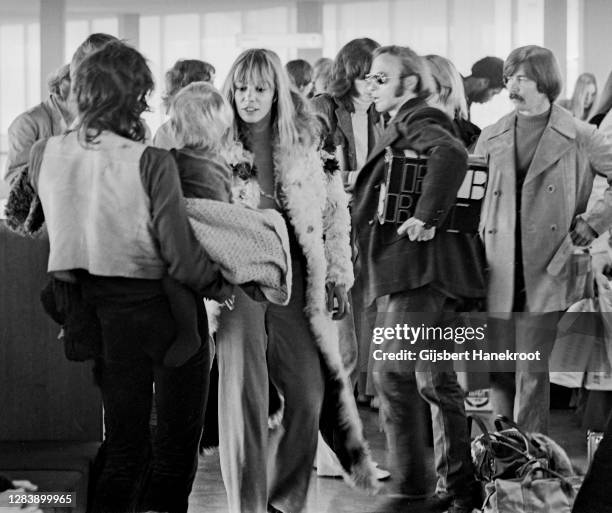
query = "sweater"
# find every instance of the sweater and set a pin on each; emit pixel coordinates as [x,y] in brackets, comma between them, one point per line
[249,245]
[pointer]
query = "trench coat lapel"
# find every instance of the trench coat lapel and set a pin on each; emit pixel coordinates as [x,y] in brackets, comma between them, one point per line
[501,147]
[557,138]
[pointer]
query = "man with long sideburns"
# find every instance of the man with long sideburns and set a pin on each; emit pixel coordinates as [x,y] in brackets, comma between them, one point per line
[534,221]
[406,263]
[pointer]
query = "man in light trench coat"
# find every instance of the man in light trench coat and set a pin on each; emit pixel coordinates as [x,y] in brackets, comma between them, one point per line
[542,162]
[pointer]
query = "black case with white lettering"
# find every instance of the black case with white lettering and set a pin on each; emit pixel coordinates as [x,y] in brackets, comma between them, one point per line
[401,189]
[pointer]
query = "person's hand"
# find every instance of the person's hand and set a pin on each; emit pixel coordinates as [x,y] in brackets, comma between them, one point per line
[337,294]
[25,485]
[19,486]
[415,230]
[582,234]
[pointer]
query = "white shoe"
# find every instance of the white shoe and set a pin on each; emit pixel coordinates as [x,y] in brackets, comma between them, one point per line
[380,473]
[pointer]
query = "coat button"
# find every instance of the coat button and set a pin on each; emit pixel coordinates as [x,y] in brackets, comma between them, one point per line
[496,193]
[493,230]
[550,188]
[310,229]
[553,227]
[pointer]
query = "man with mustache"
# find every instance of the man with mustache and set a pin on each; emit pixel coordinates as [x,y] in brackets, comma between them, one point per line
[535,221]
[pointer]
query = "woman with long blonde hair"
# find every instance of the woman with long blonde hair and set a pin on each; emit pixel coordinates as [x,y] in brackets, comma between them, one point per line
[583,100]
[292,347]
[449,96]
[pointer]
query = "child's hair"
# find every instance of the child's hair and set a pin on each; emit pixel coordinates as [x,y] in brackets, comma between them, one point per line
[202,118]
[111,86]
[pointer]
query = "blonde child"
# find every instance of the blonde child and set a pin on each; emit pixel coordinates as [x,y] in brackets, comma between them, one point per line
[201,122]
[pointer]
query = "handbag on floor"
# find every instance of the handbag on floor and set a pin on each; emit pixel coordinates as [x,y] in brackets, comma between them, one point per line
[540,490]
[505,453]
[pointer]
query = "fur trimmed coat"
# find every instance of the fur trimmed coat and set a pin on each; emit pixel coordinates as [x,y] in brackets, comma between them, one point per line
[316,206]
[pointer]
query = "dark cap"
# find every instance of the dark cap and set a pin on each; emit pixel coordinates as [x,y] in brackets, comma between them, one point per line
[491,68]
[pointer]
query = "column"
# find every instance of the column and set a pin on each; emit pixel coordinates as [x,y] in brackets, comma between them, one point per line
[310,20]
[555,33]
[597,39]
[52,39]
[129,28]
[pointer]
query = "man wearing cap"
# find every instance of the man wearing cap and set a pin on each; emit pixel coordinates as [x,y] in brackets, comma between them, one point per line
[485,81]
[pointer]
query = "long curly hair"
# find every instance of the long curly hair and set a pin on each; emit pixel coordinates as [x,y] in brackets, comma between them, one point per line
[293,120]
[111,87]
[92,43]
[352,62]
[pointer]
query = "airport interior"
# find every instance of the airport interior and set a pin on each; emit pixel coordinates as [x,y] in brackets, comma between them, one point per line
[51,415]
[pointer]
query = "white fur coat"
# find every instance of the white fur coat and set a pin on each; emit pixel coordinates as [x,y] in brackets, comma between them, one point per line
[316,205]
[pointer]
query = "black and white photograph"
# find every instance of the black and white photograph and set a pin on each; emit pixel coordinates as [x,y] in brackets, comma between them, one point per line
[305,256]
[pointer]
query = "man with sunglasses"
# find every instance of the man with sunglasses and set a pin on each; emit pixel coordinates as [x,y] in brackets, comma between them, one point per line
[534,222]
[419,267]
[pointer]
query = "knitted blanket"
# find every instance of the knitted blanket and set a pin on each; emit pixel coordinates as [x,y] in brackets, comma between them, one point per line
[249,245]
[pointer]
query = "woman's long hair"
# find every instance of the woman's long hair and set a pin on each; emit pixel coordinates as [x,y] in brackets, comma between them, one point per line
[111,87]
[293,121]
[576,105]
[92,43]
[449,84]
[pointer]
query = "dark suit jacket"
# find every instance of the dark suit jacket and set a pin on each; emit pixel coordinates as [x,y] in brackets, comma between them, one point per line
[391,263]
[340,127]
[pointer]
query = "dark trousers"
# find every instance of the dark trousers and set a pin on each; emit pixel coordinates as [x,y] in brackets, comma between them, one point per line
[140,472]
[400,391]
[595,496]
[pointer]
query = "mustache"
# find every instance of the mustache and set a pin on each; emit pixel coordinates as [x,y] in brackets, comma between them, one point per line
[516,96]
